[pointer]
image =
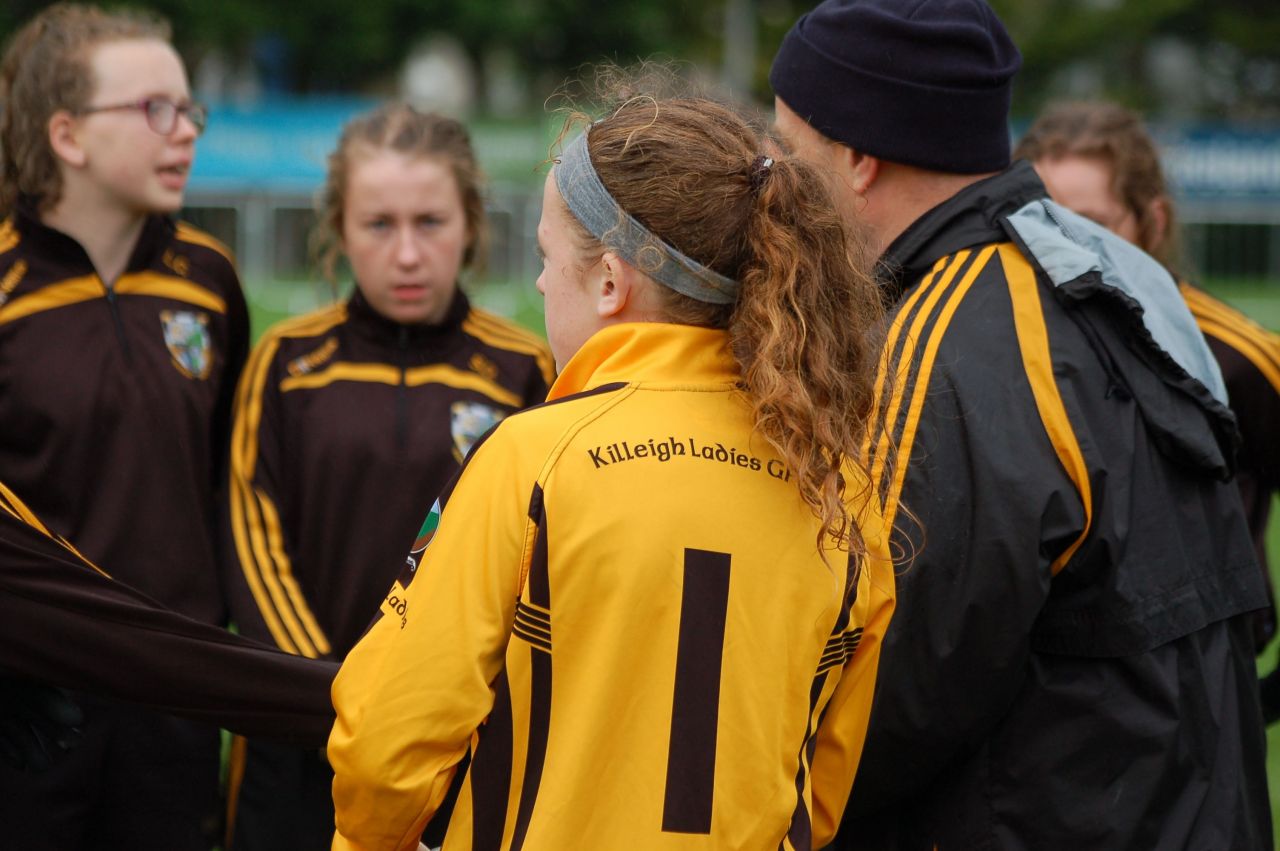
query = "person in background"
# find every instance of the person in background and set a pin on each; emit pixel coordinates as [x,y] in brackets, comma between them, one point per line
[122,334]
[350,419]
[646,609]
[1099,160]
[1071,661]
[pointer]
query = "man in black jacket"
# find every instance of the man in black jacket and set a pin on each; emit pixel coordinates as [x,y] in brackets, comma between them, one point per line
[1068,666]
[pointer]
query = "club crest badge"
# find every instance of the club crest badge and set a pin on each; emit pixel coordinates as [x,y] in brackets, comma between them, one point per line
[469,421]
[186,333]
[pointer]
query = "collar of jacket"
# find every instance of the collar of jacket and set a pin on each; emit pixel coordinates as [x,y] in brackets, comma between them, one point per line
[968,218]
[649,352]
[373,326]
[44,241]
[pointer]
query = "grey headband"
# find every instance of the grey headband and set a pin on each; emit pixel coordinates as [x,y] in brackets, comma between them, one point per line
[593,206]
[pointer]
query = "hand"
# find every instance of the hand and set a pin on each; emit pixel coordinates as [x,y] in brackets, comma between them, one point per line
[37,723]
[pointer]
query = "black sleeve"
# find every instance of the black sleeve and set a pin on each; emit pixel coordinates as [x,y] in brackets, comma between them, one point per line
[65,623]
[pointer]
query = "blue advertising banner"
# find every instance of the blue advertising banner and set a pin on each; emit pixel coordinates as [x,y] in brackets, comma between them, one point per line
[280,145]
[1222,163]
[272,145]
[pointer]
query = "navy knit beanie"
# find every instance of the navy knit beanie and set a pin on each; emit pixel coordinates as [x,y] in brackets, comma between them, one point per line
[921,82]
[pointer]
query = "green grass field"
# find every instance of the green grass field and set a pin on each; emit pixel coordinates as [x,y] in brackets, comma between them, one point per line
[272,302]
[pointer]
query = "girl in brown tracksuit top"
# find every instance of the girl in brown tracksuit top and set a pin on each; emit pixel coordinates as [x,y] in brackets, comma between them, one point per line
[122,334]
[351,419]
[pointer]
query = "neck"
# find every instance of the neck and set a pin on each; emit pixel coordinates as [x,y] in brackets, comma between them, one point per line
[902,194]
[107,232]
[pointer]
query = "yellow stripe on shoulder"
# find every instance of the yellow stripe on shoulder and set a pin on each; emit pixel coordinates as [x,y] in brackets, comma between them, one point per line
[168,286]
[379,373]
[1262,356]
[1207,307]
[190,234]
[501,324]
[1223,322]
[505,334]
[308,324]
[248,401]
[61,294]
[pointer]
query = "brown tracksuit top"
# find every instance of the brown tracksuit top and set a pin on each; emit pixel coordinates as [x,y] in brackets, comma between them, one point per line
[347,426]
[115,401]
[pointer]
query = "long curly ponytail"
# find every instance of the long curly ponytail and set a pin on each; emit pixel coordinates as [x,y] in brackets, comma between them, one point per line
[806,327]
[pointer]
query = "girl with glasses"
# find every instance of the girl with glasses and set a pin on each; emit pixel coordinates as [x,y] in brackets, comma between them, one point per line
[122,334]
[646,611]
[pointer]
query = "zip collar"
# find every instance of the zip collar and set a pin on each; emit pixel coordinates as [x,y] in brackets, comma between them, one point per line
[650,353]
[373,326]
[70,255]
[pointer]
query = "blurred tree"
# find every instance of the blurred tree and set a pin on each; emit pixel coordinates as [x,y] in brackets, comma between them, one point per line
[1182,58]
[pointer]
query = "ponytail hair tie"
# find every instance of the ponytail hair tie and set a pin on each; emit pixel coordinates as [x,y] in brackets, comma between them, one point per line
[760,167]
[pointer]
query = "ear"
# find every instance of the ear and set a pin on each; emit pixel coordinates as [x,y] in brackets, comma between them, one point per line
[64,139]
[615,287]
[1157,223]
[863,169]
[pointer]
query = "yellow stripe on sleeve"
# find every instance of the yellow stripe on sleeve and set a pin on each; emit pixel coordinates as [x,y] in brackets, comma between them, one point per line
[279,601]
[1033,341]
[921,385]
[19,509]
[904,362]
[886,355]
[10,502]
[284,572]
[252,575]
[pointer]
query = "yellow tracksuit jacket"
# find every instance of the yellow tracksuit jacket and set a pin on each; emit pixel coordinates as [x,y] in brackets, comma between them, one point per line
[620,614]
